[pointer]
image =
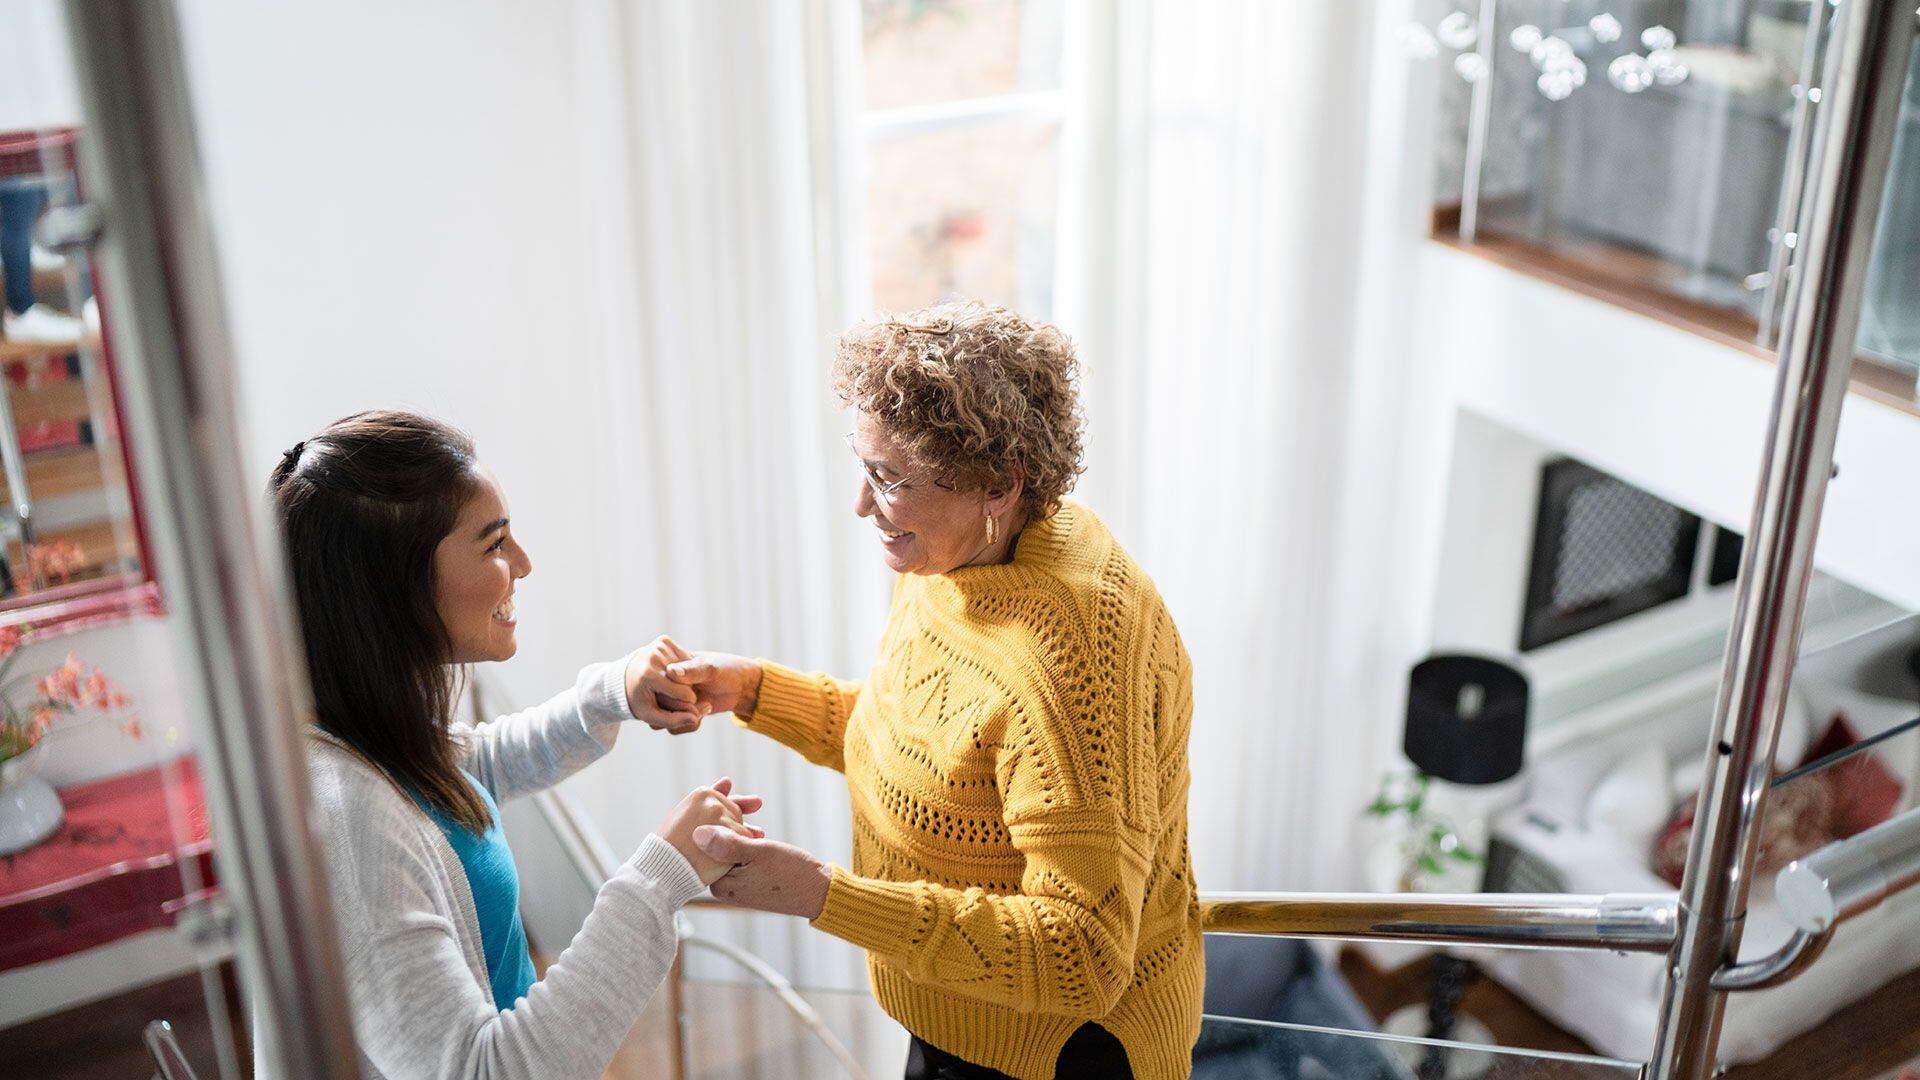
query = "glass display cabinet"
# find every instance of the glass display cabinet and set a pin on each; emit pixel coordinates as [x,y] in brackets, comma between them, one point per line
[1655,153]
[71,547]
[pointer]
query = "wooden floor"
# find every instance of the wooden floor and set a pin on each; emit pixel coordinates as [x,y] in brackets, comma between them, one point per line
[1866,1041]
[102,1040]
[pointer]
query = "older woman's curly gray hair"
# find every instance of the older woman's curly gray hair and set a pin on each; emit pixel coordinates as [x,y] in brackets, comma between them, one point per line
[974,394]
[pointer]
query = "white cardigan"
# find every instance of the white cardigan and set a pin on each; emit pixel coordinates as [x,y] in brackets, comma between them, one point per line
[416,973]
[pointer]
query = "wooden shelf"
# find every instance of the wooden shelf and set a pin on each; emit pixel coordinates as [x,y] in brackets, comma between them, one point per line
[104,549]
[66,471]
[1630,281]
[27,350]
[54,402]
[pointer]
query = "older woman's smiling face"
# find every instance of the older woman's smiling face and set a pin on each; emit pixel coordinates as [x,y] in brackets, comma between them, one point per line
[924,528]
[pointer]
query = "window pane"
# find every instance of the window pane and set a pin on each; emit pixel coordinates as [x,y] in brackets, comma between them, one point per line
[922,51]
[965,213]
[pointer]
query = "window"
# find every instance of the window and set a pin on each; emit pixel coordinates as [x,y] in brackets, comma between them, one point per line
[964,105]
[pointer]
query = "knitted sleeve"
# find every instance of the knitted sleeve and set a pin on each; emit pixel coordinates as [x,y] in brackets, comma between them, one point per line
[806,712]
[1081,799]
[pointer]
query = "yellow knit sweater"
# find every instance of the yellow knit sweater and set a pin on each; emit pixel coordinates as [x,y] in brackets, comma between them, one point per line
[1017,759]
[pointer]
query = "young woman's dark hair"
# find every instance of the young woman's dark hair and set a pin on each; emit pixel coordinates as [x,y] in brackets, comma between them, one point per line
[362,507]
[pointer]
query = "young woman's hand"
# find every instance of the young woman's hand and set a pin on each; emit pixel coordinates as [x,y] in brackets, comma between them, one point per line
[720,682]
[653,698]
[766,875]
[715,807]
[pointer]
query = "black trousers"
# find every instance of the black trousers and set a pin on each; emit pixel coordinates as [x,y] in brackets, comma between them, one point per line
[1091,1053]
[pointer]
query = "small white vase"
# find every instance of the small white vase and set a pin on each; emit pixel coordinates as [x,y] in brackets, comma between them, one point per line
[29,810]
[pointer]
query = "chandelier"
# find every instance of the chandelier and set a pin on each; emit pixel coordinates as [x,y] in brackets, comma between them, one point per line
[1556,54]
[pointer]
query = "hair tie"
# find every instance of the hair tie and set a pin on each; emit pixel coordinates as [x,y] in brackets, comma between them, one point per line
[292,455]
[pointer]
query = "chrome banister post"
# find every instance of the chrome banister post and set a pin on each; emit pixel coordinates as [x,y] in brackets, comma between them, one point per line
[230,614]
[1865,75]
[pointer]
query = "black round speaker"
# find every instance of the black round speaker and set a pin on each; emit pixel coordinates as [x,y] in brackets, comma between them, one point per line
[1466,719]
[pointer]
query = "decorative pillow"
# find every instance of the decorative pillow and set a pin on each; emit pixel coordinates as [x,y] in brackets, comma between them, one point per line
[1832,804]
[1798,821]
[1865,791]
[1633,800]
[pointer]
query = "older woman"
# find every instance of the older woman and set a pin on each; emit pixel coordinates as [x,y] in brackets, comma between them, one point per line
[1017,756]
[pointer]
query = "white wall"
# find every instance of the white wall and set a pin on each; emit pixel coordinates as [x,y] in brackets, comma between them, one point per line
[36,74]
[1669,411]
[394,190]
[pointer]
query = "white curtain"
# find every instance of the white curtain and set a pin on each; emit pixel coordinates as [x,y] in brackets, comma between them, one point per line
[1263,438]
[716,216]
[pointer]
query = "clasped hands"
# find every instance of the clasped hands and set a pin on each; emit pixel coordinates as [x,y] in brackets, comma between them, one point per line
[673,690]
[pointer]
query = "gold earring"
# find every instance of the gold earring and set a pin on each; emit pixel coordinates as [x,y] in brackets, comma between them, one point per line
[992,529]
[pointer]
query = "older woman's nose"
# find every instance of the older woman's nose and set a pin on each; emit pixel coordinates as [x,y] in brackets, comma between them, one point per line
[864,504]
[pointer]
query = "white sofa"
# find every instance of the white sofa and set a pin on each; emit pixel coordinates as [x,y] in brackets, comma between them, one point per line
[1612,1000]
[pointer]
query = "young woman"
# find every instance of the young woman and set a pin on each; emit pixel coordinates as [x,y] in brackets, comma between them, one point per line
[404,565]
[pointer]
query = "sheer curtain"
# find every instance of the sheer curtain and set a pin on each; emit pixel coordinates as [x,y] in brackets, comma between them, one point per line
[1263,438]
[716,205]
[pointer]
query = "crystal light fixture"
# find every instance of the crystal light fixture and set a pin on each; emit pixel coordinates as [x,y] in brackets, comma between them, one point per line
[1458,31]
[1553,54]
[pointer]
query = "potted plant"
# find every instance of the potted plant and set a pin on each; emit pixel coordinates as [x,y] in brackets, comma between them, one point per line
[30,811]
[1429,844]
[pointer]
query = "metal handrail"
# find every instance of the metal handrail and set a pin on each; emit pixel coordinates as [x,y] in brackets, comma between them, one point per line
[1849,877]
[1615,923]
[589,853]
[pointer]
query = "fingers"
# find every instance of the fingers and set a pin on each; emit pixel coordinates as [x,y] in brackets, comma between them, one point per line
[724,785]
[672,649]
[664,705]
[690,672]
[717,842]
[670,695]
[749,804]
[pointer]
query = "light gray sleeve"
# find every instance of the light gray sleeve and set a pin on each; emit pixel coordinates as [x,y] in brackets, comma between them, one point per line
[535,748]
[419,1011]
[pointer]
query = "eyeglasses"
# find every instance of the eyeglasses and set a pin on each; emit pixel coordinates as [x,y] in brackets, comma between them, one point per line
[883,491]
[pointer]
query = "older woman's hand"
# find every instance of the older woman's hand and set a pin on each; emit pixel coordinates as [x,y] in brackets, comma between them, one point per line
[720,682]
[716,808]
[767,875]
[657,700]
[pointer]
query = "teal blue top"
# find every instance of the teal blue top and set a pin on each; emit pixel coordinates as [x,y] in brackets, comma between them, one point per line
[495,885]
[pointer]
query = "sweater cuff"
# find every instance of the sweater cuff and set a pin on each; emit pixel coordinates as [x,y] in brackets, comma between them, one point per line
[791,706]
[659,862]
[879,916]
[602,693]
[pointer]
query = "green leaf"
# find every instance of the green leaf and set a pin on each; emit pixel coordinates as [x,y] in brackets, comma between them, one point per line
[1431,865]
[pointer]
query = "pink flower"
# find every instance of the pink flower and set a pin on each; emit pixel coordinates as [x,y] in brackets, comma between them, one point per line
[40,719]
[63,684]
[99,692]
[10,638]
[132,730]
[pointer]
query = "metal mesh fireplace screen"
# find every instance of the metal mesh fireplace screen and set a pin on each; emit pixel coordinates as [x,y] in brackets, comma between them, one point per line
[1602,550]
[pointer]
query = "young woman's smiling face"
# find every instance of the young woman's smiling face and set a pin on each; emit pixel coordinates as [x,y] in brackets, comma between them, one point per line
[474,569]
